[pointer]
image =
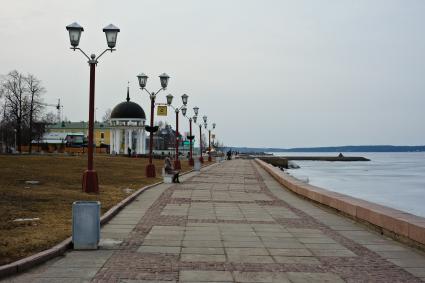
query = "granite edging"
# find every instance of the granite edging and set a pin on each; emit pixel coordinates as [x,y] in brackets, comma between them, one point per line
[403,225]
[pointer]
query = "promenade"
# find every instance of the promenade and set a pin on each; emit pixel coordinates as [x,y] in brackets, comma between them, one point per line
[232,223]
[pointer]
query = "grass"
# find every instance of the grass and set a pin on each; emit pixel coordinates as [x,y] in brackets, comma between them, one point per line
[51,200]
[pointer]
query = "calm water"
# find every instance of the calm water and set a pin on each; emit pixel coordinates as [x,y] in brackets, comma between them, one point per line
[392,179]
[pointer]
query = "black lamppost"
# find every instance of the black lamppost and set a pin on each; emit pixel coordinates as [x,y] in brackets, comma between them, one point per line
[209,141]
[150,168]
[90,178]
[177,164]
[200,127]
[196,109]
[190,137]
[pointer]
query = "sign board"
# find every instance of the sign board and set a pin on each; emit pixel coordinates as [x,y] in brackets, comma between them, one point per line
[213,136]
[161,110]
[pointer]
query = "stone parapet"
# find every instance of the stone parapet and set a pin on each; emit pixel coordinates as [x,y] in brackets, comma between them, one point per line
[400,225]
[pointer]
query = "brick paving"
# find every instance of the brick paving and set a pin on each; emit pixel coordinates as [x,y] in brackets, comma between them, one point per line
[233,223]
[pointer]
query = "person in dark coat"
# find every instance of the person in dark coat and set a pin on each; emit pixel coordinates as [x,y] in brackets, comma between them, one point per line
[168,167]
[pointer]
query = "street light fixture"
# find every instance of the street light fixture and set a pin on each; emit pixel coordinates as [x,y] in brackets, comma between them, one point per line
[90,179]
[177,164]
[75,31]
[111,33]
[169,99]
[150,168]
[196,109]
[209,140]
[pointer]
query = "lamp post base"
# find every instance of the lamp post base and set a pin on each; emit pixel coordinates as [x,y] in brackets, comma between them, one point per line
[201,159]
[191,162]
[177,164]
[150,171]
[90,182]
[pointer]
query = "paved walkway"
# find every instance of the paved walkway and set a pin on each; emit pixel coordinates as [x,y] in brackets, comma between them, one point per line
[233,223]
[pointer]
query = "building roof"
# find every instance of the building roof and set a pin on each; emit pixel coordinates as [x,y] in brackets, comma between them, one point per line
[77,125]
[128,110]
[55,138]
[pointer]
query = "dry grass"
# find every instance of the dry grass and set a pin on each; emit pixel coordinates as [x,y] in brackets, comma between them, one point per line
[51,200]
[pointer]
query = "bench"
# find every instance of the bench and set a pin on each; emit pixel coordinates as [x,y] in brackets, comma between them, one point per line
[167,178]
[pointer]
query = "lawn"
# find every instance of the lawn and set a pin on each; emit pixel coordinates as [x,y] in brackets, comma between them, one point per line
[51,200]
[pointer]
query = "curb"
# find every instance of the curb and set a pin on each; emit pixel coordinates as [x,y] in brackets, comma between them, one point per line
[59,249]
[399,225]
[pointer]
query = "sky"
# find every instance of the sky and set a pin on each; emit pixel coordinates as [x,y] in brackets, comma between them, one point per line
[269,73]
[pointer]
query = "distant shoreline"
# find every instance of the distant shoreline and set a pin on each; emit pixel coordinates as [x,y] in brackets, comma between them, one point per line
[344,149]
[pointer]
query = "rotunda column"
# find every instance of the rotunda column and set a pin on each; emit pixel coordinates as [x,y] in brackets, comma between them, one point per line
[125,141]
[111,141]
[130,139]
[117,140]
[139,141]
[143,144]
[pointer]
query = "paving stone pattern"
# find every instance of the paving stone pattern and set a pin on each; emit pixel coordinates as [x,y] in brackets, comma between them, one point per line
[234,223]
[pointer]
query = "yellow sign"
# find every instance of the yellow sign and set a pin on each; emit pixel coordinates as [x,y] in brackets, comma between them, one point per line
[162,110]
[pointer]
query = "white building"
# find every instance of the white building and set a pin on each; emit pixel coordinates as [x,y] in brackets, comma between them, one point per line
[127,128]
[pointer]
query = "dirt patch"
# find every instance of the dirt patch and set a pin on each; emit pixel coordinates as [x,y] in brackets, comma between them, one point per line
[51,199]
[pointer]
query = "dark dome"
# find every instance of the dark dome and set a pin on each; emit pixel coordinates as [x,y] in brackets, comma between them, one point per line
[128,110]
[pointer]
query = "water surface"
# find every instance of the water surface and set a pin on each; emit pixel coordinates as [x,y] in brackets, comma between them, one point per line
[393,179]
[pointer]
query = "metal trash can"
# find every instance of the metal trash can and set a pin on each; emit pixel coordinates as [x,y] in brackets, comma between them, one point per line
[86,225]
[197,165]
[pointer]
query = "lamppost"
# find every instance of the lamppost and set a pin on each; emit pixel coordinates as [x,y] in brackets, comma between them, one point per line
[150,168]
[195,118]
[177,164]
[190,137]
[200,127]
[209,141]
[196,110]
[90,179]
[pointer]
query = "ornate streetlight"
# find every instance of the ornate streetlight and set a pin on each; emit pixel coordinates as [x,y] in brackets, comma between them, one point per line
[150,168]
[196,109]
[190,137]
[209,140]
[177,164]
[90,179]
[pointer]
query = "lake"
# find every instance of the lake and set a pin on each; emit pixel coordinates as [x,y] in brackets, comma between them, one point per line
[392,179]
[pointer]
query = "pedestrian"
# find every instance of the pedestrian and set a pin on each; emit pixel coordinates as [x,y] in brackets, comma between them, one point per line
[169,169]
[129,151]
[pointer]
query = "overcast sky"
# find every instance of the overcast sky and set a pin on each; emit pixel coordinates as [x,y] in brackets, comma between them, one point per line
[269,73]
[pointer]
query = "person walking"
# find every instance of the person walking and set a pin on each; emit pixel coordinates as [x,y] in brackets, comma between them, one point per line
[129,152]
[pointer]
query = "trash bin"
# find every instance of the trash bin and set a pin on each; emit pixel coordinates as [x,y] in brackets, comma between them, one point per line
[85,225]
[197,165]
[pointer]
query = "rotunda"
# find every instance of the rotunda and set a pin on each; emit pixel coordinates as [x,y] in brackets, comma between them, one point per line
[127,124]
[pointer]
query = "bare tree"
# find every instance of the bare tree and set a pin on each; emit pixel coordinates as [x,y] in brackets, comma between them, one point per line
[50,118]
[35,90]
[107,116]
[14,92]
